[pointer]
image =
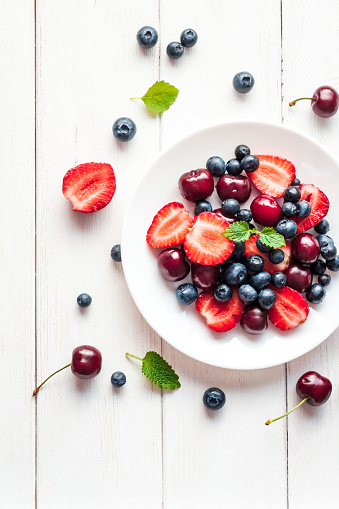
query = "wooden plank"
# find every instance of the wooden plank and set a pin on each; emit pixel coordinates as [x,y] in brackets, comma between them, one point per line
[311,59]
[96,446]
[17,198]
[229,458]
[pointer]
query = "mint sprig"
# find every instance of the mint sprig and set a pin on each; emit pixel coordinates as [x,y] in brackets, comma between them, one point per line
[159,97]
[158,370]
[269,237]
[239,231]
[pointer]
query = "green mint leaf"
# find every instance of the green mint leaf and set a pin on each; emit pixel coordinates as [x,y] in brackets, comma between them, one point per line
[238,231]
[271,238]
[158,371]
[159,97]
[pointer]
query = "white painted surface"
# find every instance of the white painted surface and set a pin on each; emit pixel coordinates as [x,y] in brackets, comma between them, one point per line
[138,447]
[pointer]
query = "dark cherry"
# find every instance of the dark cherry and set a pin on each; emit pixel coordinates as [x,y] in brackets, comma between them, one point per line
[254,319]
[324,102]
[237,187]
[305,248]
[266,210]
[230,219]
[86,363]
[196,185]
[172,264]
[298,277]
[204,276]
[313,388]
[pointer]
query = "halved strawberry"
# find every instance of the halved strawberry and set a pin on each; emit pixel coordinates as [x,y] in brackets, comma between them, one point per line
[204,243]
[169,226]
[89,186]
[273,175]
[289,310]
[251,248]
[319,207]
[220,316]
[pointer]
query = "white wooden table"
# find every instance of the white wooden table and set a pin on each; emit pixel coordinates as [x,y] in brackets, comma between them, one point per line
[68,70]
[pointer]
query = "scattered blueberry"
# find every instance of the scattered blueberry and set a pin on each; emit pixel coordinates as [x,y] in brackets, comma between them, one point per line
[333,265]
[202,206]
[230,207]
[292,194]
[186,294]
[289,209]
[255,263]
[238,251]
[174,50]
[124,129]
[241,151]
[216,165]
[322,227]
[214,398]
[235,274]
[328,251]
[222,292]
[287,227]
[262,247]
[118,379]
[147,37]
[233,167]
[278,279]
[260,280]
[84,300]
[247,293]
[245,215]
[276,256]
[249,163]
[296,182]
[324,240]
[243,82]
[303,209]
[316,293]
[116,253]
[318,267]
[266,298]
[324,279]
[188,38]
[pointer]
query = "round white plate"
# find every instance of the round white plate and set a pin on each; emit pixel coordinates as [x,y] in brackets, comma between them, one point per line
[182,326]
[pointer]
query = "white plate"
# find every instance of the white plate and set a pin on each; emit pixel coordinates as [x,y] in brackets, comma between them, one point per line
[182,326]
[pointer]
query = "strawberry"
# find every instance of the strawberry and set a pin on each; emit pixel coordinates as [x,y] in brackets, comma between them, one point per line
[220,316]
[89,186]
[169,226]
[319,207]
[273,175]
[289,310]
[251,248]
[204,243]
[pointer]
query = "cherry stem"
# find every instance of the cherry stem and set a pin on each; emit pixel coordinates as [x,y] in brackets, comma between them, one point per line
[50,376]
[134,357]
[277,418]
[292,103]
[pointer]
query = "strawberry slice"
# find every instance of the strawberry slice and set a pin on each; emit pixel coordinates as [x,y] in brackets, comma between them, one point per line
[220,316]
[89,186]
[251,248]
[204,243]
[319,207]
[169,226]
[273,175]
[289,310]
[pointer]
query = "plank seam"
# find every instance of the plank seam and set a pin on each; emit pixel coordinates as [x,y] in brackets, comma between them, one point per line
[35,262]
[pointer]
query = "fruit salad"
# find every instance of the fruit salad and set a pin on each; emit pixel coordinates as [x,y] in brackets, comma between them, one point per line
[246,265]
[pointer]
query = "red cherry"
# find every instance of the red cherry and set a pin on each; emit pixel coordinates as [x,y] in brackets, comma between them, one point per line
[172,264]
[266,210]
[325,101]
[298,277]
[230,219]
[305,248]
[237,187]
[254,319]
[196,185]
[204,276]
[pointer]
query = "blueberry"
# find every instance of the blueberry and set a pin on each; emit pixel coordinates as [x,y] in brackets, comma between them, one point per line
[316,293]
[289,209]
[84,300]
[233,167]
[276,256]
[303,209]
[118,379]
[202,206]
[324,279]
[245,215]
[260,280]
[188,38]
[296,182]
[322,227]
[287,227]
[328,251]
[238,251]
[147,37]
[243,82]
[116,253]
[266,298]
[262,247]
[124,129]
[235,274]
[278,279]
[222,292]
[255,263]
[241,151]
[292,194]
[333,265]
[174,50]
[318,267]
[186,294]
[216,165]
[230,207]
[324,240]
[249,164]
[214,398]
[247,293]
